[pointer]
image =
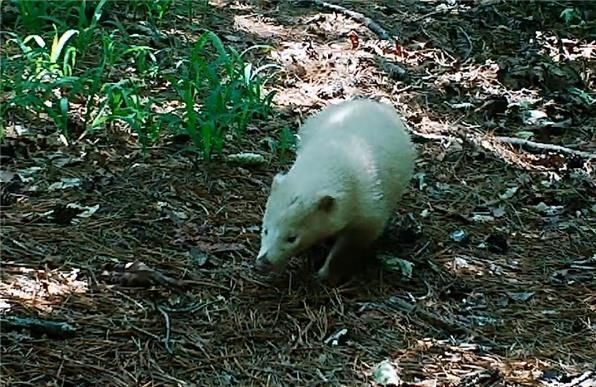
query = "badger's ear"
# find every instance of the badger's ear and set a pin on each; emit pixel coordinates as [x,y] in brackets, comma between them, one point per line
[326,202]
[277,180]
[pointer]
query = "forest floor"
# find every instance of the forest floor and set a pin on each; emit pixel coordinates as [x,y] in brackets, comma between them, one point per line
[502,237]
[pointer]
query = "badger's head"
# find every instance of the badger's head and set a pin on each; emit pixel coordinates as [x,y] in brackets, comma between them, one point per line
[295,218]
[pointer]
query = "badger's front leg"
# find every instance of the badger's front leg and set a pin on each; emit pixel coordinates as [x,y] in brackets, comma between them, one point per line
[350,248]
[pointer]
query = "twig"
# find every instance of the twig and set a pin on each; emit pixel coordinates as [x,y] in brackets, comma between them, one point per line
[470,44]
[189,309]
[167,329]
[357,16]
[38,327]
[433,13]
[145,332]
[543,147]
[425,137]
[394,70]
[139,274]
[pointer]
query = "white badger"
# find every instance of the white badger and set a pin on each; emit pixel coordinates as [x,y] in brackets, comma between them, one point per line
[354,162]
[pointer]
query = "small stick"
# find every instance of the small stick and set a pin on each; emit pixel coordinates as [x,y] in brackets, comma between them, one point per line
[38,327]
[548,147]
[394,70]
[423,137]
[357,16]
[433,13]
[167,329]
[470,44]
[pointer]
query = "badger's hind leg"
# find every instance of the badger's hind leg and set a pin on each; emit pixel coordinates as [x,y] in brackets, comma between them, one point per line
[350,250]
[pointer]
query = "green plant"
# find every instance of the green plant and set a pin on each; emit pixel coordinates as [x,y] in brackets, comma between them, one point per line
[139,55]
[87,27]
[82,15]
[286,142]
[43,62]
[83,79]
[37,16]
[202,6]
[31,12]
[220,93]
[152,10]
[570,15]
[127,105]
[45,78]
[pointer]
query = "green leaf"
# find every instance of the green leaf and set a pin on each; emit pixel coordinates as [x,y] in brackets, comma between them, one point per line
[38,39]
[59,43]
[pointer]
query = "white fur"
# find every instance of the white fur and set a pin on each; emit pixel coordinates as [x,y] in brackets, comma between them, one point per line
[357,153]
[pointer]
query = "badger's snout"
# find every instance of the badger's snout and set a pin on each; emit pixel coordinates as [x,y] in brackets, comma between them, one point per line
[263,264]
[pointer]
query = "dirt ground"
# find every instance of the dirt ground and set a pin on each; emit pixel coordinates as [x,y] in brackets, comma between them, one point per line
[503,238]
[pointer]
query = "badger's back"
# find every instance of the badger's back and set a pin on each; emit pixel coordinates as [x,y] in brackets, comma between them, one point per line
[362,140]
[375,120]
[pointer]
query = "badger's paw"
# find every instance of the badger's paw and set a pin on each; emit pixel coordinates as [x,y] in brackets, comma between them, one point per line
[323,273]
[326,277]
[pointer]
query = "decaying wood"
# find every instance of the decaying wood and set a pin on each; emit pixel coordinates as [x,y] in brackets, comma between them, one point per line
[38,327]
[139,274]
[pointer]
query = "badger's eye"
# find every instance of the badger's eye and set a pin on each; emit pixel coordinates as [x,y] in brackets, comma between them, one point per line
[265,232]
[291,239]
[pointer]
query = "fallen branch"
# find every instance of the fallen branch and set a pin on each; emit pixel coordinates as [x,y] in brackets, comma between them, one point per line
[425,137]
[38,327]
[394,70]
[357,16]
[545,147]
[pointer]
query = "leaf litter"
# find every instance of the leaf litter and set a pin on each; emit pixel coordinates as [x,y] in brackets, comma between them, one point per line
[514,307]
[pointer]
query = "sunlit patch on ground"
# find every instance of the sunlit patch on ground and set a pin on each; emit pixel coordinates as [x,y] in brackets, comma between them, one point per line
[39,290]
